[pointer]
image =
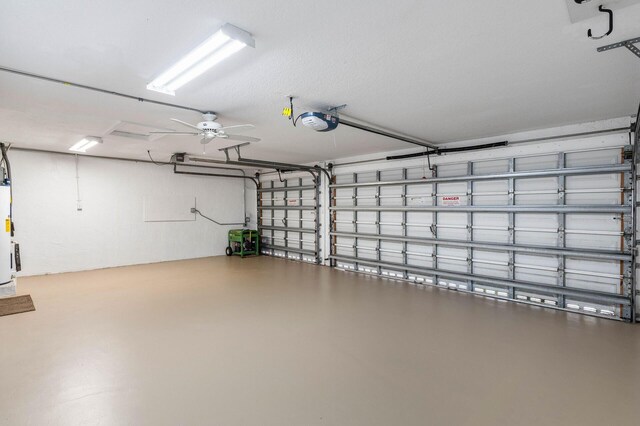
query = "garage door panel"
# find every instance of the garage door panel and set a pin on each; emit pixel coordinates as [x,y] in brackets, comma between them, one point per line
[490,167]
[604,189]
[423,250]
[599,231]
[491,193]
[391,223]
[391,257]
[490,263]
[491,227]
[420,261]
[540,191]
[598,157]
[536,229]
[536,275]
[536,162]
[452,225]
[452,265]
[450,170]
[447,192]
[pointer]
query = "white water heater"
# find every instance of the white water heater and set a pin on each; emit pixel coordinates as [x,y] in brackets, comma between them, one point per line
[7,263]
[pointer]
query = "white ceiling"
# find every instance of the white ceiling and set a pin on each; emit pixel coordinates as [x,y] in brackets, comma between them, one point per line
[437,70]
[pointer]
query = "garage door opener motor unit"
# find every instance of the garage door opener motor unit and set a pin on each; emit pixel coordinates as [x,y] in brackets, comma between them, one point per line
[319,121]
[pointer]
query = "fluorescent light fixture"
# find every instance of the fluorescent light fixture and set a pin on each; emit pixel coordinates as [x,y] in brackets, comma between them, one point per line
[224,43]
[85,144]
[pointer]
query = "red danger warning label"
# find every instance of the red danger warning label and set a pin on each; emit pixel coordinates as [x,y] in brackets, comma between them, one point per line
[451,200]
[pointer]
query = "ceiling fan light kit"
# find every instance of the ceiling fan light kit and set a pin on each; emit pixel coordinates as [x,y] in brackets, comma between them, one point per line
[225,42]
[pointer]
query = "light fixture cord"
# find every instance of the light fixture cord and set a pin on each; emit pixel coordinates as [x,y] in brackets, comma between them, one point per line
[154,162]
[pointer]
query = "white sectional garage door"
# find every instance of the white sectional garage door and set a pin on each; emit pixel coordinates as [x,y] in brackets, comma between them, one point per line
[288,217]
[554,230]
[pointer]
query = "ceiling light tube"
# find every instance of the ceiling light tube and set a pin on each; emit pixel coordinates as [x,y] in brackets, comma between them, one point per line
[224,43]
[228,50]
[86,143]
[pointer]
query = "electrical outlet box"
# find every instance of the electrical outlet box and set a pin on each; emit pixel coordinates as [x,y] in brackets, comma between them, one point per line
[193,210]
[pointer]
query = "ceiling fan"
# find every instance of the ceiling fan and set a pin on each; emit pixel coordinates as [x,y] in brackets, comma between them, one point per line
[210,129]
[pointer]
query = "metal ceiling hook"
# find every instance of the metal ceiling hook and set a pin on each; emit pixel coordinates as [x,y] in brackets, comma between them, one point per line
[610,12]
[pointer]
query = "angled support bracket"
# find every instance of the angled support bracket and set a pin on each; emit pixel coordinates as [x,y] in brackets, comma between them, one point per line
[236,148]
[629,44]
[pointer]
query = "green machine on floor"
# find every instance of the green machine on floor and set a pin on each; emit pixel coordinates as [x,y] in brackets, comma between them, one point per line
[243,242]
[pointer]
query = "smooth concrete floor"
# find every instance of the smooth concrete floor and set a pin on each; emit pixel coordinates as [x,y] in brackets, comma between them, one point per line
[264,341]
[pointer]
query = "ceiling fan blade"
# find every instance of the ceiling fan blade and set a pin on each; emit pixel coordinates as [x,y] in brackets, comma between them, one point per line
[241,138]
[175,133]
[184,123]
[251,126]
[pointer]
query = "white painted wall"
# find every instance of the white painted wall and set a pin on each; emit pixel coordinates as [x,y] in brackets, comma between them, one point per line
[110,230]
